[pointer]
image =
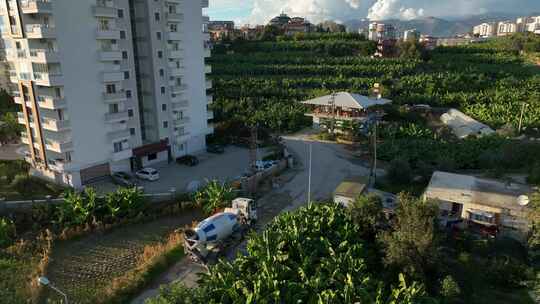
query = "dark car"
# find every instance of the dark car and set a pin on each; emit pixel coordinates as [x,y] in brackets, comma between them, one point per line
[216,149]
[188,160]
[124,179]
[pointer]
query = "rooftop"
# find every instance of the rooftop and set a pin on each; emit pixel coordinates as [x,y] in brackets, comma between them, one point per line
[348,100]
[468,189]
[352,186]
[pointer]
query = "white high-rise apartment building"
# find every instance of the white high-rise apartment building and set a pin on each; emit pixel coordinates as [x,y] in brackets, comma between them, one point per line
[506,28]
[485,30]
[107,85]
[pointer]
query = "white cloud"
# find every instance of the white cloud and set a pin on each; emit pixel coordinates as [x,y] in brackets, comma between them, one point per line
[261,11]
[393,9]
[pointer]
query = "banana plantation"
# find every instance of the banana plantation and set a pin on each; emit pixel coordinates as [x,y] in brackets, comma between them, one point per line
[489,82]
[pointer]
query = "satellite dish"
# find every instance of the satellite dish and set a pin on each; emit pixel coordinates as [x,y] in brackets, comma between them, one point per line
[523,200]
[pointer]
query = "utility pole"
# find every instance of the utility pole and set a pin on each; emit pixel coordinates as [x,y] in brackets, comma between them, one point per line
[309,172]
[332,102]
[523,105]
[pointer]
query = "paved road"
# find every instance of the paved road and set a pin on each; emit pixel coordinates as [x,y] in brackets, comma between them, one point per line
[331,163]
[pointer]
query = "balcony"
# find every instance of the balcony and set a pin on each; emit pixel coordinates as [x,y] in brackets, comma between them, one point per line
[181,121]
[114,97]
[18,100]
[205,19]
[208,69]
[174,17]
[209,99]
[177,89]
[181,137]
[48,80]
[21,119]
[105,11]
[24,138]
[118,135]
[204,3]
[209,84]
[174,36]
[55,125]
[60,165]
[108,34]
[175,54]
[58,146]
[210,114]
[36,7]
[116,117]
[40,31]
[121,155]
[110,55]
[112,76]
[180,105]
[176,72]
[14,55]
[44,56]
[207,53]
[51,103]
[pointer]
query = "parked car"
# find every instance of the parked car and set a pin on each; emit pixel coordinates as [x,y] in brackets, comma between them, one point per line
[216,149]
[124,179]
[188,160]
[149,174]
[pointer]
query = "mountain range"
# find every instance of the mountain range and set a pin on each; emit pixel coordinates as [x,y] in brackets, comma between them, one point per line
[438,27]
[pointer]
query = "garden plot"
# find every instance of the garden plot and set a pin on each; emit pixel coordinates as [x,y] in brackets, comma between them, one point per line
[86,268]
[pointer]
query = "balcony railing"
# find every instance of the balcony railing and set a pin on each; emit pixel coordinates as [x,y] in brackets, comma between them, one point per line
[116,117]
[36,6]
[44,56]
[40,31]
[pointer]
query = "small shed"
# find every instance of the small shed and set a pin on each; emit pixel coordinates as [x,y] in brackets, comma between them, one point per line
[351,188]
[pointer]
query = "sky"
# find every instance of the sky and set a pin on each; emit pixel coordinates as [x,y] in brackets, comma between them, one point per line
[260,11]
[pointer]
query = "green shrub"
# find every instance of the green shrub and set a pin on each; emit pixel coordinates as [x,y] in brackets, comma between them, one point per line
[399,172]
[450,288]
[534,174]
[506,272]
[214,196]
[7,232]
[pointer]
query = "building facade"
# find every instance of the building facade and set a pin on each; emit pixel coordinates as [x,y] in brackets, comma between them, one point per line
[381,31]
[506,28]
[107,85]
[485,30]
[411,35]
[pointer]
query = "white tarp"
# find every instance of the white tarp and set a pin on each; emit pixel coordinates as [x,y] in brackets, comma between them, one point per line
[463,125]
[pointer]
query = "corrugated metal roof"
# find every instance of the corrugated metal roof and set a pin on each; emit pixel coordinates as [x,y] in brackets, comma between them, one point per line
[348,100]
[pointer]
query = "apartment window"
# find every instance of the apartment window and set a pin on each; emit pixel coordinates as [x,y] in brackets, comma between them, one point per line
[162,90]
[118,147]
[124,54]
[165,124]
[126,74]
[122,34]
[164,107]
[58,92]
[132,131]
[158,35]
[160,54]
[130,112]
[104,24]
[128,94]
[173,27]
[111,89]
[161,72]
[157,16]
[120,13]
[113,108]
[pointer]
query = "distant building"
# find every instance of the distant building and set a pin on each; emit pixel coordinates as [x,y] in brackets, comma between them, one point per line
[220,29]
[280,20]
[485,30]
[381,31]
[454,41]
[506,28]
[298,25]
[486,205]
[429,42]
[251,33]
[411,35]
[341,106]
[533,25]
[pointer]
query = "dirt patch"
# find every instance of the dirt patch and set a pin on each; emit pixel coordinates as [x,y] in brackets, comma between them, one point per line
[83,267]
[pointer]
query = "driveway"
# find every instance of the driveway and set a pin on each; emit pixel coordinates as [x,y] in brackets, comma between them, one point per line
[223,167]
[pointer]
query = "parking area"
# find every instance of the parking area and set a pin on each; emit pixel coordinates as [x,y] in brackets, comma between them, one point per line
[223,167]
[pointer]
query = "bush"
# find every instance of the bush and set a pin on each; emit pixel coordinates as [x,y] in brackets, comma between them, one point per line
[7,232]
[25,185]
[10,169]
[450,288]
[214,196]
[400,171]
[506,272]
[534,174]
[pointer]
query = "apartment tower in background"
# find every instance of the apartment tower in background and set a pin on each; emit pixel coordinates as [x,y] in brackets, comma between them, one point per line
[106,85]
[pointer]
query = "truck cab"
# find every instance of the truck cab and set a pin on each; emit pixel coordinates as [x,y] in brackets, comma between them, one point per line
[245,207]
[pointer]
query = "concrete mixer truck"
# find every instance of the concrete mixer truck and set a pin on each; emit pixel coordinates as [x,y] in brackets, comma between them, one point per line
[215,234]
